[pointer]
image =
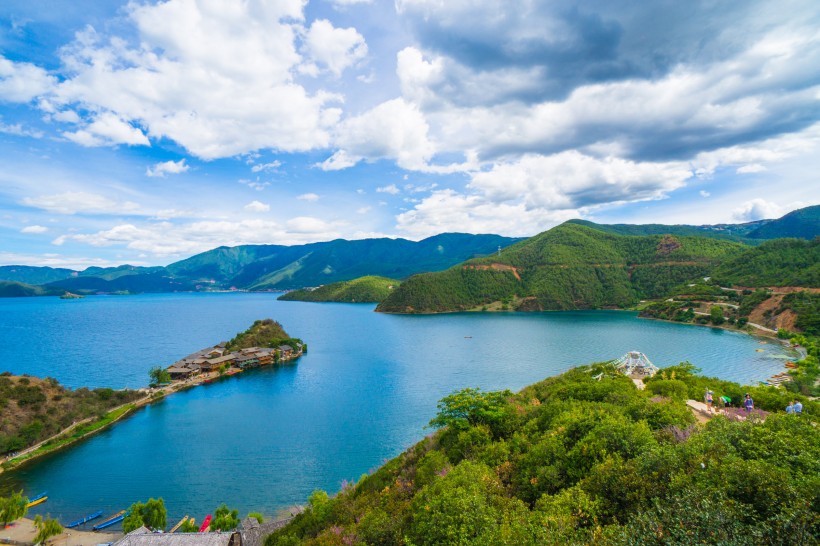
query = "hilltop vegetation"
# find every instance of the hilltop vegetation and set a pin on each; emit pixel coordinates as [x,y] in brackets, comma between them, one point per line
[782,262]
[584,458]
[33,409]
[803,223]
[263,333]
[568,267]
[369,289]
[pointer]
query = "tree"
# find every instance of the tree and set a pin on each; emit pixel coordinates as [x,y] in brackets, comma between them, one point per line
[46,528]
[471,407]
[158,376]
[225,519]
[151,514]
[13,507]
[716,314]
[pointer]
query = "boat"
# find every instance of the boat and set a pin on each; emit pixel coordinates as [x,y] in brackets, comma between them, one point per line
[178,525]
[116,518]
[86,519]
[39,499]
[205,524]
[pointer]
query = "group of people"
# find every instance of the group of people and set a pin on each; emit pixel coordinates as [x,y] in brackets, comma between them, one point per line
[794,407]
[748,403]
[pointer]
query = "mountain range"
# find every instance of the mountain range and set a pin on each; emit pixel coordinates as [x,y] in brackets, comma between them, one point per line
[264,267]
[279,267]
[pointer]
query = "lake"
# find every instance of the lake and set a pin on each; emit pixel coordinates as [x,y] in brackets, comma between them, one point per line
[265,439]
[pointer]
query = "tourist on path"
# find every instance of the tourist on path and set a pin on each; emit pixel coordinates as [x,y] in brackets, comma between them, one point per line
[748,403]
[709,401]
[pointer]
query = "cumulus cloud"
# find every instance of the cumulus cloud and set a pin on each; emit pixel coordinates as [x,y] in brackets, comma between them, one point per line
[333,48]
[167,167]
[257,206]
[191,76]
[34,229]
[391,189]
[529,195]
[76,202]
[308,197]
[17,129]
[757,209]
[753,168]
[22,82]
[395,129]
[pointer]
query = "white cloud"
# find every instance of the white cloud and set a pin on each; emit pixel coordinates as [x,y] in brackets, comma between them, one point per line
[344,3]
[757,209]
[22,82]
[18,130]
[529,195]
[34,229]
[753,168]
[257,184]
[391,189]
[257,206]
[272,166]
[164,239]
[77,202]
[334,48]
[704,193]
[363,210]
[108,129]
[308,197]
[57,260]
[167,167]
[395,129]
[216,77]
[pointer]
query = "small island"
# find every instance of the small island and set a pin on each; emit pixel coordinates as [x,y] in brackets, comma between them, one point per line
[368,289]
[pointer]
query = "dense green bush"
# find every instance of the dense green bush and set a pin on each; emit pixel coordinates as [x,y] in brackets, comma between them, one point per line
[585,458]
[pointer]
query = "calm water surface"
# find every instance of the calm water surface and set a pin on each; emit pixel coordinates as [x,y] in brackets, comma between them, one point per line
[265,439]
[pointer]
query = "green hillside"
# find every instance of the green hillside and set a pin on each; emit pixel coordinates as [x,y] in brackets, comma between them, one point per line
[263,333]
[802,223]
[738,233]
[369,289]
[12,289]
[586,458]
[781,262]
[568,267]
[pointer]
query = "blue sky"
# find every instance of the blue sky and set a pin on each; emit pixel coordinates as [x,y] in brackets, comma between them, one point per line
[143,132]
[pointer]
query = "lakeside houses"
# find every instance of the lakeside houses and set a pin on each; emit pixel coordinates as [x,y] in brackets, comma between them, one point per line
[213,359]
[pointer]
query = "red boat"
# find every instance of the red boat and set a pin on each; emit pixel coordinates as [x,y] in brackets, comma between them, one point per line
[205,523]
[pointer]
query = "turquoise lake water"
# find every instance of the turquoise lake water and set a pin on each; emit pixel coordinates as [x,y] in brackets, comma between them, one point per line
[265,439]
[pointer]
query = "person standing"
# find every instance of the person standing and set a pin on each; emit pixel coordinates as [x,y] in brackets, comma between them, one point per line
[790,407]
[709,401]
[748,403]
[798,407]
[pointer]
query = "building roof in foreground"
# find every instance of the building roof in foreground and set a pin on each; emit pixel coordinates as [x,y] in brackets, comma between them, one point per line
[143,537]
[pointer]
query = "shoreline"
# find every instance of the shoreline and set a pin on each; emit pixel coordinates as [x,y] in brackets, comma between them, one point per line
[154,394]
[22,532]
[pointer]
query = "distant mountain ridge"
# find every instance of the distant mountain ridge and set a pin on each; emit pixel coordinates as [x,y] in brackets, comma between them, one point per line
[267,267]
[279,267]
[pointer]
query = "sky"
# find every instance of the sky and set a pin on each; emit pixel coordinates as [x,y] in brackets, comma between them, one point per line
[144,132]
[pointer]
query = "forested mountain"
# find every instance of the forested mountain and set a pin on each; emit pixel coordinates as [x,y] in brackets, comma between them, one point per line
[369,289]
[34,275]
[568,267]
[13,289]
[803,223]
[781,262]
[272,267]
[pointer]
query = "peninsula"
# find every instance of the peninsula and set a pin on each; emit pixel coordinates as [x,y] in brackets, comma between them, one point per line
[25,432]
